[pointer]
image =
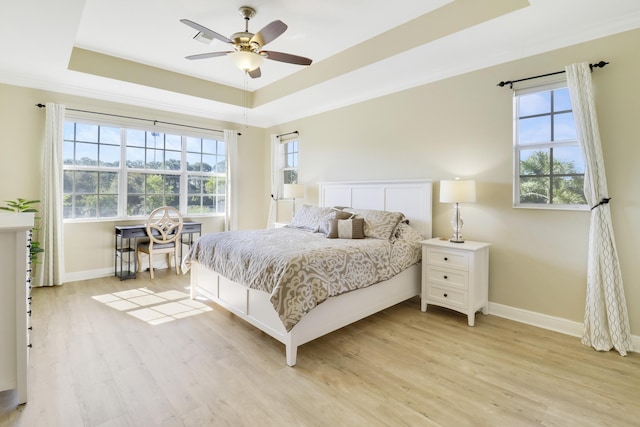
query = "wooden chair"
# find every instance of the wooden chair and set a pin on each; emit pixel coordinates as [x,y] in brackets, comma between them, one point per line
[164,228]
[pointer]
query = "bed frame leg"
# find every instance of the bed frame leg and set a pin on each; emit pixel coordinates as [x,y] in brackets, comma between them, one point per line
[292,352]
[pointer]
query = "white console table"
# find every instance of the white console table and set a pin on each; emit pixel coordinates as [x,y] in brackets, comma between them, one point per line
[15,234]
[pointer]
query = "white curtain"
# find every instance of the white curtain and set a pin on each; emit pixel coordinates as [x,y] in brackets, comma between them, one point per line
[277,163]
[606,320]
[231,206]
[50,269]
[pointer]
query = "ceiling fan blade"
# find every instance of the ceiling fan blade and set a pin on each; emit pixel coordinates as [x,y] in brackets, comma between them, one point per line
[254,74]
[206,55]
[269,33]
[212,34]
[287,57]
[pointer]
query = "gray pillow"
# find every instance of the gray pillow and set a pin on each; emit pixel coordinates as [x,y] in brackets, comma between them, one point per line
[346,229]
[309,218]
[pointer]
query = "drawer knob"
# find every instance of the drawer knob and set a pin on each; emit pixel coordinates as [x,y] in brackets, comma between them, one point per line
[446,277]
[446,295]
[446,259]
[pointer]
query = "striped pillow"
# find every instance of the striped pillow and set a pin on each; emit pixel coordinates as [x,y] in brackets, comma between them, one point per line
[346,229]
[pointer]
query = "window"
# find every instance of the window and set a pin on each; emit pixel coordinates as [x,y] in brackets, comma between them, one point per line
[549,167]
[116,172]
[290,169]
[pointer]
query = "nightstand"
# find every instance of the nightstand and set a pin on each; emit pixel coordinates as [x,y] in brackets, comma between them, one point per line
[456,276]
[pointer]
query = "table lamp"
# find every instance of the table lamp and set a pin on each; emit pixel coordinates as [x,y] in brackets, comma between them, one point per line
[293,191]
[457,191]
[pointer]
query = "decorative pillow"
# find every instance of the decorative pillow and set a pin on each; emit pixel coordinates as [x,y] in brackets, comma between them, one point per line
[347,229]
[325,225]
[405,232]
[378,224]
[309,218]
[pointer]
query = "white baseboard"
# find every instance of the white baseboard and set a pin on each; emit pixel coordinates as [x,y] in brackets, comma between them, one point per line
[556,324]
[104,272]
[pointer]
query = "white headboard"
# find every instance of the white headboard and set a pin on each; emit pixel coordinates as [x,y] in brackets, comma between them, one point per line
[411,197]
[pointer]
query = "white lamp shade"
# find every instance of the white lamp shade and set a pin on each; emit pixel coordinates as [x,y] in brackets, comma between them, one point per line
[458,191]
[293,191]
[246,61]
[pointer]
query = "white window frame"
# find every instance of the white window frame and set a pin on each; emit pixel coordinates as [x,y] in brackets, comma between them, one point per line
[123,170]
[285,164]
[550,144]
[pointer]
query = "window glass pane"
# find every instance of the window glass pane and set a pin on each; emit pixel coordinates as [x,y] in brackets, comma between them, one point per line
[221,148]
[86,133]
[194,184]
[173,142]
[535,162]
[69,130]
[155,159]
[173,201]
[534,130]
[561,100]
[193,204]
[86,154]
[564,127]
[135,183]
[220,165]
[155,140]
[534,103]
[135,138]
[154,184]
[290,177]
[85,206]
[534,190]
[221,185]
[172,184]
[108,182]
[109,155]
[568,190]
[109,135]
[209,146]
[85,182]
[194,144]
[135,205]
[568,160]
[135,158]
[209,204]
[67,186]
[208,163]
[108,205]
[67,206]
[67,152]
[172,160]
[193,162]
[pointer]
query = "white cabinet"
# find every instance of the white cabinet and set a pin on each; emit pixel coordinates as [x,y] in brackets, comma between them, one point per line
[15,233]
[456,276]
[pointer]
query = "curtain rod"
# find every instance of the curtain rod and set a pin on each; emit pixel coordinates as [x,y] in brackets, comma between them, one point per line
[285,134]
[40,105]
[600,64]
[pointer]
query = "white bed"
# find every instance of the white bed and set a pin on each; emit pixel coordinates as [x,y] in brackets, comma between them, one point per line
[412,198]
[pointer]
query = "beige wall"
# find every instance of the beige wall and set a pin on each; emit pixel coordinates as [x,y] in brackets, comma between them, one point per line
[462,126]
[89,246]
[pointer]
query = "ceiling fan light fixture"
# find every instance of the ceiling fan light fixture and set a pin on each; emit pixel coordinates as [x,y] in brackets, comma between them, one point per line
[246,61]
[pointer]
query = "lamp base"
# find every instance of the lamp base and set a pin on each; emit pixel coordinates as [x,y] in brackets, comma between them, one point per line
[457,223]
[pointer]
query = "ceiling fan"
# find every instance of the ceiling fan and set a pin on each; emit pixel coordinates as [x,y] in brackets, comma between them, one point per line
[247,54]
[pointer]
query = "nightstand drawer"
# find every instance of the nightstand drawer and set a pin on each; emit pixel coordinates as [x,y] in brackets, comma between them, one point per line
[448,258]
[447,297]
[447,277]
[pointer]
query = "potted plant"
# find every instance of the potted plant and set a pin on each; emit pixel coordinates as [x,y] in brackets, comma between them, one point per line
[24,205]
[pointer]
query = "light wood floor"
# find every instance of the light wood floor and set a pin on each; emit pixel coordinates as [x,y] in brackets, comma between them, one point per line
[93,365]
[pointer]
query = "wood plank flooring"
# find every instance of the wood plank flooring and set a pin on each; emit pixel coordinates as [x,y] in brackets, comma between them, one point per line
[94,365]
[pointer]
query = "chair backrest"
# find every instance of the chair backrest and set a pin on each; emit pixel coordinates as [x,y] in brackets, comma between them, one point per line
[164,225]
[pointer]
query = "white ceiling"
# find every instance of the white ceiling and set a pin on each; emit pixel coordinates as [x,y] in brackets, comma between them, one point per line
[393,51]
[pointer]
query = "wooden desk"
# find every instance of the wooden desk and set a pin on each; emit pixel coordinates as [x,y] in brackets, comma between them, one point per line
[126,242]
